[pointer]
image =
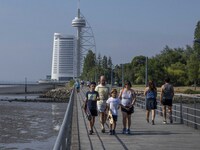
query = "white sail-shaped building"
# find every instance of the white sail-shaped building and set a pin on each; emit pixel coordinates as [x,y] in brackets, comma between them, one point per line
[63,57]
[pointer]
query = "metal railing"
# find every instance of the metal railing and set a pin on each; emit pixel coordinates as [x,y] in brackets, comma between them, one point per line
[185,110]
[64,135]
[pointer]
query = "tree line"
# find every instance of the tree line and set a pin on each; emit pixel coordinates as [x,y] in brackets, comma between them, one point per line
[182,65]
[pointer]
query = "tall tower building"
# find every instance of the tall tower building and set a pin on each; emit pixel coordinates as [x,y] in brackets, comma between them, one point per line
[79,22]
[62,59]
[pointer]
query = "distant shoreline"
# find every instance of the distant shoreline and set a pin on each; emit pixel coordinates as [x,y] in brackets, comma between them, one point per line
[24,89]
[28,93]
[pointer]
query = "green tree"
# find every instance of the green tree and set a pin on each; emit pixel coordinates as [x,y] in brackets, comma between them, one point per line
[138,71]
[89,66]
[197,50]
[197,36]
[105,62]
[156,70]
[178,71]
[193,68]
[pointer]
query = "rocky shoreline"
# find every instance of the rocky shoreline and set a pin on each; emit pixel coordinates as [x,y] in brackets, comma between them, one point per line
[61,94]
[58,94]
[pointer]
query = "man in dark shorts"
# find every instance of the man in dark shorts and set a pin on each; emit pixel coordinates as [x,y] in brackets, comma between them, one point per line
[91,105]
[166,96]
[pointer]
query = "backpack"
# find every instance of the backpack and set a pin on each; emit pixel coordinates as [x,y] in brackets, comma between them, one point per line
[151,94]
[167,91]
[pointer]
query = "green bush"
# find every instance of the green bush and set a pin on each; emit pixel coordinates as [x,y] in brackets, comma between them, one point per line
[71,83]
[189,91]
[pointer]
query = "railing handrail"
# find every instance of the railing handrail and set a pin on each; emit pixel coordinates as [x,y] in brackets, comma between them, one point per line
[64,132]
[186,95]
[178,113]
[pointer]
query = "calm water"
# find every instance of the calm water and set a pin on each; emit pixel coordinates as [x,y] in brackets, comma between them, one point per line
[27,125]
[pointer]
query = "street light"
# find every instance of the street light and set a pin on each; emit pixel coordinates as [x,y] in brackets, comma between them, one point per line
[111,77]
[146,72]
[122,75]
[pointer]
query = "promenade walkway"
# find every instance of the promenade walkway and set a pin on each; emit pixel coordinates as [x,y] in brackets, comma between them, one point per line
[144,136]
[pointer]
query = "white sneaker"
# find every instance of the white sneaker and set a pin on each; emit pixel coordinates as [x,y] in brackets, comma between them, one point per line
[164,122]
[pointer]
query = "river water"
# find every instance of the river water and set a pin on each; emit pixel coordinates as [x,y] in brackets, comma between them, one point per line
[30,126]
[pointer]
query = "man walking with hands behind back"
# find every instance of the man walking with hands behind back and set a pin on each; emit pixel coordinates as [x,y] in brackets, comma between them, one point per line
[166,96]
[103,91]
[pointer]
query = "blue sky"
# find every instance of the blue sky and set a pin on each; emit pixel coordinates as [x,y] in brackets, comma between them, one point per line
[123,29]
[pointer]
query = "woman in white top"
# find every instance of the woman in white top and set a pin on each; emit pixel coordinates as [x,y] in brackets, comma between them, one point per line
[128,98]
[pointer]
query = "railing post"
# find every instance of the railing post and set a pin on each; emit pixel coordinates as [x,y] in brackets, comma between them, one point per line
[187,115]
[195,121]
[181,110]
[161,111]
[175,112]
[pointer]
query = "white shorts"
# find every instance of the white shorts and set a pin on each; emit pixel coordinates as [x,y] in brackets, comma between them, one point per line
[101,105]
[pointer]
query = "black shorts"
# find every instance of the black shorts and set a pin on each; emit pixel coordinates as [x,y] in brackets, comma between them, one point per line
[93,112]
[167,102]
[130,111]
[114,118]
[78,89]
[151,104]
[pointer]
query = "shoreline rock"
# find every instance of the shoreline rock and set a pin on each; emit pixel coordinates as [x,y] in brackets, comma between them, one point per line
[58,94]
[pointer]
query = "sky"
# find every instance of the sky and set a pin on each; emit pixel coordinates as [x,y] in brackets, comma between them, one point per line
[122,29]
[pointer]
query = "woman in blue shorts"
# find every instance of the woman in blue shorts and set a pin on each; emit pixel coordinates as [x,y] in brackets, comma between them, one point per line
[151,103]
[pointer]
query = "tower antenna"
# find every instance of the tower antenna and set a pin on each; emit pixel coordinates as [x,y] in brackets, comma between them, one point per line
[79,12]
[78,4]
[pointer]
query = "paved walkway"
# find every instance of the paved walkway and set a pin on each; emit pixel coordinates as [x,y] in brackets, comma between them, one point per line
[144,136]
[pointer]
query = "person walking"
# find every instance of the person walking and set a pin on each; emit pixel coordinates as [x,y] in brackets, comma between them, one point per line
[77,86]
[91,105]
[103,91]
[128,99]
[113,104]
[166,97]
[151,103]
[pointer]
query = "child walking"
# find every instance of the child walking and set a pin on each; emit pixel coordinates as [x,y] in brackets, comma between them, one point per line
[113,104]
[91,105]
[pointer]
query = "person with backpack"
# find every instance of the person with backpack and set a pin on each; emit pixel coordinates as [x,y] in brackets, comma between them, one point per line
[166,97]
[91,105]
[151,103]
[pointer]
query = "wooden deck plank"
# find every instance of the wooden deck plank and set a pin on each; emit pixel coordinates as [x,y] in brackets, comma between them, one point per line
[143,135]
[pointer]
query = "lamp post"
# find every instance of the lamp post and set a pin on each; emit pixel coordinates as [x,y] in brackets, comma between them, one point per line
[122,75]
[111,78]
[146,72]
[25,90]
